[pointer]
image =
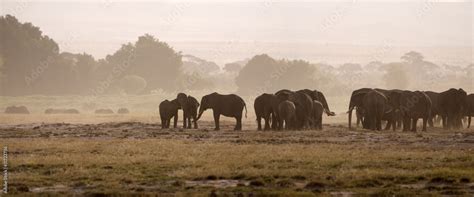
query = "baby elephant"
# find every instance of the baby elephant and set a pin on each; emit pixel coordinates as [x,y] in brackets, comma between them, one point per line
[318,110]
[169,109]
[287,114]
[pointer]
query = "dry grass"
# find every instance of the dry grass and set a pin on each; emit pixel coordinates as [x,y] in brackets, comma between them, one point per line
[174,162]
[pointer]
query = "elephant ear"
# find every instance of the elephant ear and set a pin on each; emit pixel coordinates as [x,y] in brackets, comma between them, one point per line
[356,99]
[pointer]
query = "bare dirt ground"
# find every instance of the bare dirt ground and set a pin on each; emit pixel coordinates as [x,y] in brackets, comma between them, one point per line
[108,155]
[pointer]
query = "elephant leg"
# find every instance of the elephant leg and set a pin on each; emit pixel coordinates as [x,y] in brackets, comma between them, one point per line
[163,122]
[195,122]
[444,122]
[267,123]
[413,126]
[216,121]
[430,122]
[280,124]
[378,123]
[238,126]
[406,124]
[175,123]
[185,115]
[274,121]
[469,121]
[425,121]
[459,122]
[259,122]
[189,122]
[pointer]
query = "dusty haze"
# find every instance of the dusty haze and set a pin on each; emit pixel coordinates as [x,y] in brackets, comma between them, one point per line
[334,47]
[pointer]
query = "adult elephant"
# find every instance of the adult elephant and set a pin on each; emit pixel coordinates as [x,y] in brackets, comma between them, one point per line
[392,116]
[451,104]
[435,105]
[304,106]
[319,96]
[169,109]
[356,103]
[264,109]
[374,104]
[469,108]
[412,106]
[318,109]
[229,105]
[190,106]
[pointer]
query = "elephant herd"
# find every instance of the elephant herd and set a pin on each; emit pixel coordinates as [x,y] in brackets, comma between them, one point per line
[303,109]
[403,108]
[283,110]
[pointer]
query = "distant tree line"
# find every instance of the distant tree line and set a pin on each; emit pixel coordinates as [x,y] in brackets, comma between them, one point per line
[31,63]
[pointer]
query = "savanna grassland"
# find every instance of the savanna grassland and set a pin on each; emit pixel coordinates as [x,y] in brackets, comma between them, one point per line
[132,155]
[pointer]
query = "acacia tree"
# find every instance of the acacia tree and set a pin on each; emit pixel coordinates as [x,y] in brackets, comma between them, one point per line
[412,57]
[150,59]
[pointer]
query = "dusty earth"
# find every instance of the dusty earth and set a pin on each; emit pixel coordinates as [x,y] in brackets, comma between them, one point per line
[138,157]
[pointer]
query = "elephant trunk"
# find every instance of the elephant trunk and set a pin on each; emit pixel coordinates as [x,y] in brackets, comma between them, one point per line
[201,110]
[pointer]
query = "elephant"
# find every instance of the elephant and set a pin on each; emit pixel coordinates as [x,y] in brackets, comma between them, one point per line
[266,107]
[412,106]
[356,102]
[435,105]
[190,106]
[451,104]
[319,96]
[169,109]
[304,109]
[263,109]
[374,104]
[318,109]
[287,115]
[229,105]
[469,108]
[304,106]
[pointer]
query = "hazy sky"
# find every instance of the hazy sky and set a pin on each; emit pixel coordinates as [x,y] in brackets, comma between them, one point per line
[99,27]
